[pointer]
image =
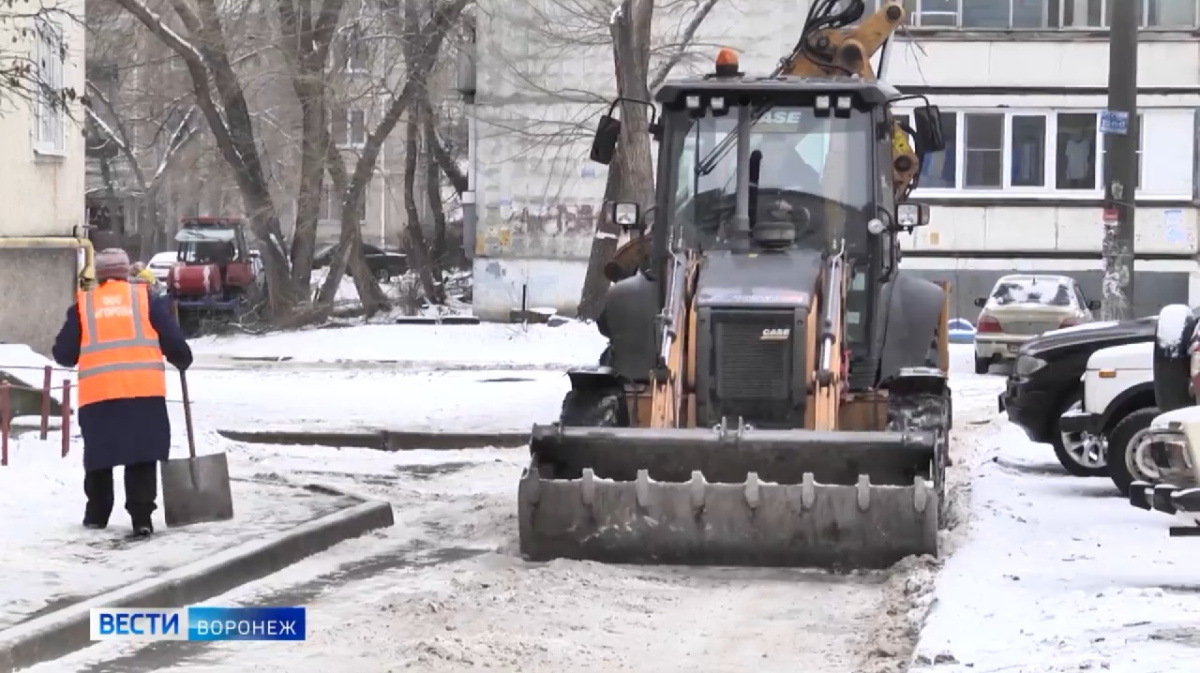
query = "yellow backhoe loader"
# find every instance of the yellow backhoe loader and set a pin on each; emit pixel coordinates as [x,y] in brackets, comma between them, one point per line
[775,389]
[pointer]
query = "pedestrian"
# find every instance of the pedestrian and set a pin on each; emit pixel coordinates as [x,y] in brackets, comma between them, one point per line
[118,334]
[138,273]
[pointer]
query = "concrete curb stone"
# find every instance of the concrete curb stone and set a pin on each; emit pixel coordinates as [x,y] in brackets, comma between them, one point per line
[67,630]
[382,440]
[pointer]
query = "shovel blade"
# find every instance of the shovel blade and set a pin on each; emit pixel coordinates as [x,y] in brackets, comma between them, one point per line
[196,490]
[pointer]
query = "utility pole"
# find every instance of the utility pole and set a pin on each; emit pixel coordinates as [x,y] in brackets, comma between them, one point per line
[1119,124]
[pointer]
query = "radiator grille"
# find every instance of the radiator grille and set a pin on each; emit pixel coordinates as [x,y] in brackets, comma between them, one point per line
[752,374]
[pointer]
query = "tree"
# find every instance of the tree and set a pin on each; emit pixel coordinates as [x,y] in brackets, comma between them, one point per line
[423,37]
[631,174]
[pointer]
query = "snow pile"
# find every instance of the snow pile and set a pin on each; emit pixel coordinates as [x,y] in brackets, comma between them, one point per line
[448,346]
[1060,574]
[26,368]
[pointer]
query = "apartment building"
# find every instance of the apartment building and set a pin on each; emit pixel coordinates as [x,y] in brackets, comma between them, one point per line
[1021,84]
[43,168]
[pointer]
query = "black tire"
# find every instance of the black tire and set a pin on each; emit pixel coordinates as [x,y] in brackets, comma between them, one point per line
[1060,451]
[1121,445]
[595,408]
[982,365]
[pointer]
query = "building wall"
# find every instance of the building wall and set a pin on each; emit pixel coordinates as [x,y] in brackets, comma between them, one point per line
[1023,73]
[45,193]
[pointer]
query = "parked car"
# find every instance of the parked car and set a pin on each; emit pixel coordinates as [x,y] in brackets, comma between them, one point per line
[1115,414]
[1022,306]
[161,263]
[961,331]
[1173,446]
[1047,381]
[384,264]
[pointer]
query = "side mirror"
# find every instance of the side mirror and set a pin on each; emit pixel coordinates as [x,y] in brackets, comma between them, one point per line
[927,125]
[1093,305]
[604,143]
[980,302]
[628,215]
[912,215]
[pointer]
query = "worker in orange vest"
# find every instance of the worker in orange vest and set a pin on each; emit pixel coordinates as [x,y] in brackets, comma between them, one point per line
[118,334]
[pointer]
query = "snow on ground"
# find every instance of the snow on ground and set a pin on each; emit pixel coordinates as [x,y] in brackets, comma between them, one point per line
[57,560]
[444,590]
[483,346]
[1061,574]
[345,401]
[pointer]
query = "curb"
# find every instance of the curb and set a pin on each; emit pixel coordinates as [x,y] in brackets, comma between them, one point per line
[68,630]
[383,440]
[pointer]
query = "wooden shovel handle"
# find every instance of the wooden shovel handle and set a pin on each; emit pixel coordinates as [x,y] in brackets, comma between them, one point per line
[187,414]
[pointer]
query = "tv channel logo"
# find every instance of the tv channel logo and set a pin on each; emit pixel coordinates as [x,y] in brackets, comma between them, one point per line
[198,623]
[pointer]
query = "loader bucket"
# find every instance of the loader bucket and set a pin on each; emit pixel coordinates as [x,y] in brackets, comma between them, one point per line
[782,498]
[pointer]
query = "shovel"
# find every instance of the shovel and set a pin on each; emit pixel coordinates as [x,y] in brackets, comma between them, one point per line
[196,488]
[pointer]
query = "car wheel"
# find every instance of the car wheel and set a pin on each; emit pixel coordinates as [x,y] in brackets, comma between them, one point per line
[1129,458]
[1081,454]
[982,365]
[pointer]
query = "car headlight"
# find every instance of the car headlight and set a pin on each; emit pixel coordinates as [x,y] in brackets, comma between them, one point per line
[1027,364]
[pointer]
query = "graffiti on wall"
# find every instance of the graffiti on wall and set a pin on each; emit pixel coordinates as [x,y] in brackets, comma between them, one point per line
[561,230]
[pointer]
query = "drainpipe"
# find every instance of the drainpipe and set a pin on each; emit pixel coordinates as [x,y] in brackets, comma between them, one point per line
[86,267]
[466,86]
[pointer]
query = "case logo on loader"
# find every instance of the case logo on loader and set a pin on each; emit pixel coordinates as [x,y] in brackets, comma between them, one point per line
[776,334]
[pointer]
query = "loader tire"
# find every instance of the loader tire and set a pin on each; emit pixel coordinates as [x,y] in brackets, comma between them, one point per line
[595,408]
[926,412]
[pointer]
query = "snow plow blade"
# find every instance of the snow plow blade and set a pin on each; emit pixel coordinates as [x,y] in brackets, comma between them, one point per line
[770,498]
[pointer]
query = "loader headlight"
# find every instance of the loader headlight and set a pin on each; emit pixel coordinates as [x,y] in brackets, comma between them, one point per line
[626,215]
[1027,364]
[876,226]
[822,103]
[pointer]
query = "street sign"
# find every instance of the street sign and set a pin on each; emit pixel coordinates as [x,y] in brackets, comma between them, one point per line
[1111,215]
[1114,121]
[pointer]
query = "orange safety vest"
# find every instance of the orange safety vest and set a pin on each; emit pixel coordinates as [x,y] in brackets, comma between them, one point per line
[119,355]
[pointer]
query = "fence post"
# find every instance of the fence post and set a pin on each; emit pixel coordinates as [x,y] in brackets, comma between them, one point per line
[66,417]
[5,415]
[46,402]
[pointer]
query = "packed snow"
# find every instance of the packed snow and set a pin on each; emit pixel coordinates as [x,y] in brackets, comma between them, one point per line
[1047,573]
[57,560]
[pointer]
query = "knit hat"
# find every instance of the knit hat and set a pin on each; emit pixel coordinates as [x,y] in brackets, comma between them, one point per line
[112,264]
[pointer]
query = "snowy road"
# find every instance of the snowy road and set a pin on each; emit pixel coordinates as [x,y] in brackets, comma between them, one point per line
[444,590]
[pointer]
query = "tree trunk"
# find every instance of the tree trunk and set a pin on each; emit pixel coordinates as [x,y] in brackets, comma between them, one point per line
[418,248]
[433,192]
[631,174]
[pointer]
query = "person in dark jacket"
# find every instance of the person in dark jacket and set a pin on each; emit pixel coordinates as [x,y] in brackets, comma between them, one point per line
[118,334]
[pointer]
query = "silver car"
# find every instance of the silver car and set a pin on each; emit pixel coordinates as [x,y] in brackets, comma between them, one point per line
[1022,306]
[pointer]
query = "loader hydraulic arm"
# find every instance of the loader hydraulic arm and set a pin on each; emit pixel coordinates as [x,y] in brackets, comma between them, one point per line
[834,51]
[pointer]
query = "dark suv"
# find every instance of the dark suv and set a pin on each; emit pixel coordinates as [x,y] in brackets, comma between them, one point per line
[1046,381]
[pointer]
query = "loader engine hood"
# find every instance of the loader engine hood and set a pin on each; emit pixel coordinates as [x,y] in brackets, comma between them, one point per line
[750,337]
[768,279]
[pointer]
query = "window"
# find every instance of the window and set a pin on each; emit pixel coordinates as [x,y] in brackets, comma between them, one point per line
[331,206]
[933,13]
[1104,155]
[984,149]
[49,130]
[348,127]
[1041,14]
[1028,151]
[1076,150]
[353,50]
